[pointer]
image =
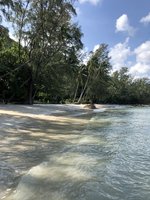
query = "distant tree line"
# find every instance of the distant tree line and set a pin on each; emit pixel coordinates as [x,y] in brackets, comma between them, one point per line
[45,64]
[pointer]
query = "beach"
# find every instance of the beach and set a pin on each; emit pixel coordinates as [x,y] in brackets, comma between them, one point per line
[30,133]
[67,152]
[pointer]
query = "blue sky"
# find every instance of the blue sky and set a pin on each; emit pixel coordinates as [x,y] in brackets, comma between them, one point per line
[122,24]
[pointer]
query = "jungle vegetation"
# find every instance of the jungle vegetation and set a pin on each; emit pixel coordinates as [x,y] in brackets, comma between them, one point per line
[46,64]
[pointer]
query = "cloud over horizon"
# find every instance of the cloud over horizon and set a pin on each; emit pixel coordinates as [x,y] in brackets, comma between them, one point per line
[145,20]
[119,54]
[142,66]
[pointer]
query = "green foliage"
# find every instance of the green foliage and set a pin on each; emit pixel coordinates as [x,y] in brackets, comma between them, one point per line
[119,86]
[98,69]
[13,74]
[93,77]
[51,43]
[140,91]
[45,64]
[124,89]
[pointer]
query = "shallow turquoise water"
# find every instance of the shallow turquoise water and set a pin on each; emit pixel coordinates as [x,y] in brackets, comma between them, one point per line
[109,160]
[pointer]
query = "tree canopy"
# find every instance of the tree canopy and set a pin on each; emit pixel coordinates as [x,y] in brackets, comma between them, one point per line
[46,65]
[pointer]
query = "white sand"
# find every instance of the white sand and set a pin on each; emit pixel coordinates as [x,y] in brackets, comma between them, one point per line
[30,133]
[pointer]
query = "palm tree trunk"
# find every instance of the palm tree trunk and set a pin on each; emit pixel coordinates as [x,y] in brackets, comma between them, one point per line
[30,89]
[83,91]
[75,95]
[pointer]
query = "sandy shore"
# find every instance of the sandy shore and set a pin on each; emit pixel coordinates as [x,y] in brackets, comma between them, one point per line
[29,133]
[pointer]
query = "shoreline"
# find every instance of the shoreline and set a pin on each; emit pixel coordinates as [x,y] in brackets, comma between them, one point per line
[42,140]
[31,133]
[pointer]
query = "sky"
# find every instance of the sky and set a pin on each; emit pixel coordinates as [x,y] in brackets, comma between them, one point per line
[122,24]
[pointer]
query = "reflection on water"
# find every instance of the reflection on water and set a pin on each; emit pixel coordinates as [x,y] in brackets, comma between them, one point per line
[108,159]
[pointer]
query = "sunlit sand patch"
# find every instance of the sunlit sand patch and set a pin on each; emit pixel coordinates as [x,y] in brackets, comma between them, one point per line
[50,137]
[11,130]
[60,119]
[12,139]
[24,133]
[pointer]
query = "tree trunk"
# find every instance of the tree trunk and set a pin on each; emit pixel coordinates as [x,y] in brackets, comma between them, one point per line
[75,95]
[30,89]
[83,91]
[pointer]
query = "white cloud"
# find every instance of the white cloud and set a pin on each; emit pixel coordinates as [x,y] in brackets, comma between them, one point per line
[142,66]
[94,2]
[145,20]
[96,47]
[137,60]
[143,53]
[123,25]
[119,55]
[140,70]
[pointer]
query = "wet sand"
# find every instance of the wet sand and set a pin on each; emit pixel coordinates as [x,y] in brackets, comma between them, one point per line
[30,133]
[65,152]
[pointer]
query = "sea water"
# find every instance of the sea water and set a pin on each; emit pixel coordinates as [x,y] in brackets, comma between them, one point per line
[109,160]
